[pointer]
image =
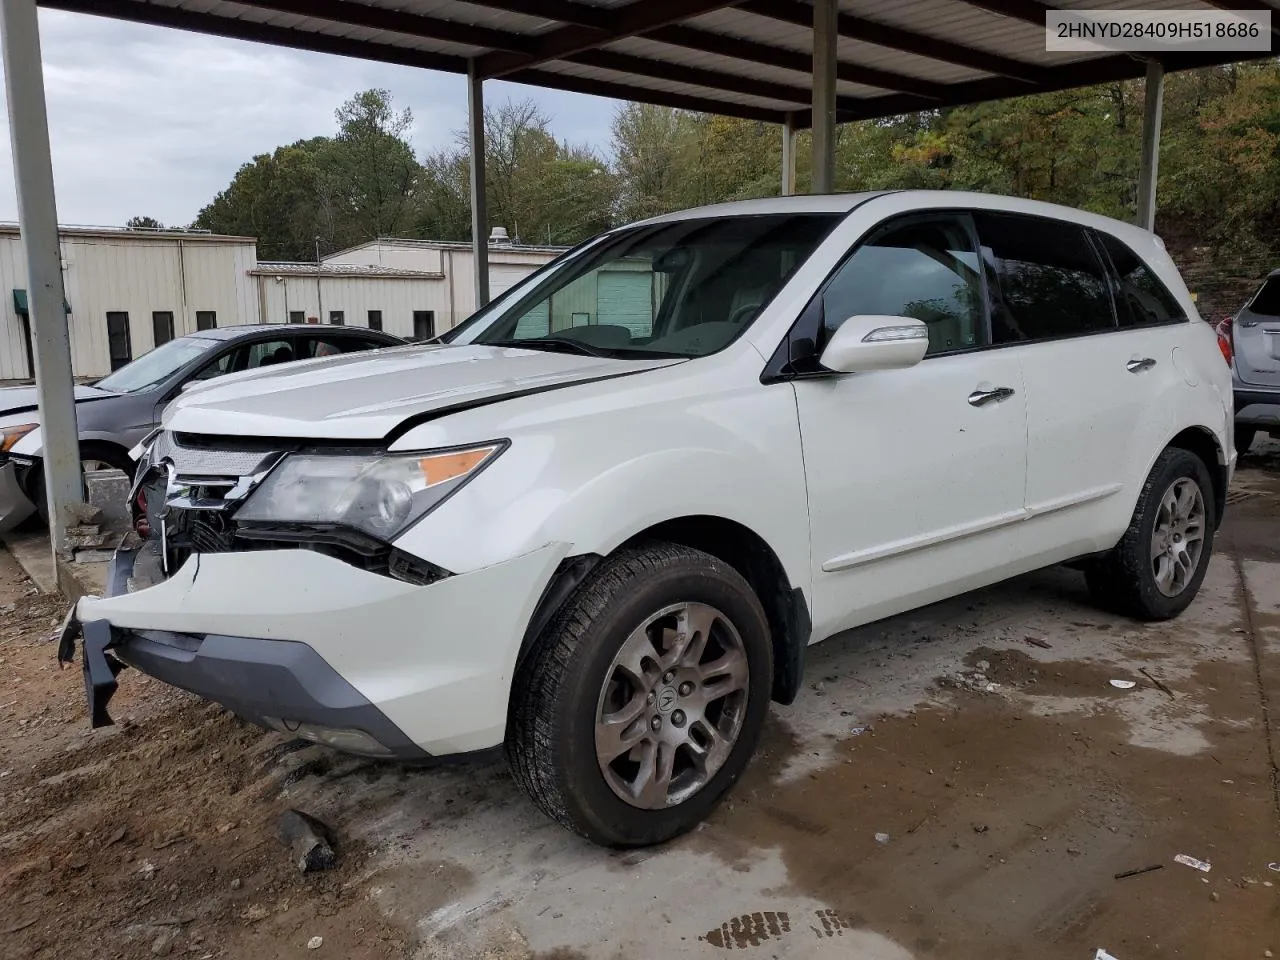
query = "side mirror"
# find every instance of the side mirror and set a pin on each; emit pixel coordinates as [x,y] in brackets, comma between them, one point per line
[871,342]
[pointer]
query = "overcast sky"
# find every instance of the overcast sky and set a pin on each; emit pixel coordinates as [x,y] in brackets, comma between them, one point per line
[151,121]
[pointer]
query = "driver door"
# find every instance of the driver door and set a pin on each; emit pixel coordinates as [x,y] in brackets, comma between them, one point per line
[916,476]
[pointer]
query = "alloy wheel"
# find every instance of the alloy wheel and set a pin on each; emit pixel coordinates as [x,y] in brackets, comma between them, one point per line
[1177,539]
[672,705]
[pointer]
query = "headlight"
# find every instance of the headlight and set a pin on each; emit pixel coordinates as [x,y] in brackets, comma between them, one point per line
[379,495]
[11,435]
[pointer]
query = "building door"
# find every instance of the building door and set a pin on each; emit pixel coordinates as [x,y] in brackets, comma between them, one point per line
[119,343]
[625,298]
[162,326]
[424,324]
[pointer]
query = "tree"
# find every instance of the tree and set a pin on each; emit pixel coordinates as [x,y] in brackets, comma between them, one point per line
[143,223]
[368,172]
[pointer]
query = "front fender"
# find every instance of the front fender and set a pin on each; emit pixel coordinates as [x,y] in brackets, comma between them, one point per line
[596,481]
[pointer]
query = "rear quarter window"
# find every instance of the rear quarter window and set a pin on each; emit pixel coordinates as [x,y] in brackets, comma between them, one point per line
[1141,298]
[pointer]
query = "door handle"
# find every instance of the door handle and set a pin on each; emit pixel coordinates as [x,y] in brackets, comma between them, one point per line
[980,397]
[1138,364]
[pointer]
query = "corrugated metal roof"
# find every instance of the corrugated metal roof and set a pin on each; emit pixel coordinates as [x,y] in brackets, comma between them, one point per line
[747,58]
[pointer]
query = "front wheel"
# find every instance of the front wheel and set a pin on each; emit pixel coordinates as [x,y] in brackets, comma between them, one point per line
[1156,569]
[642,702]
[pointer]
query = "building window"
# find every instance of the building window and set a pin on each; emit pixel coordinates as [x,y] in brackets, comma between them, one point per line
[337,318]
[375,319]
[297,316]
[119,343]
[162,326]
[424,324]
[206,320]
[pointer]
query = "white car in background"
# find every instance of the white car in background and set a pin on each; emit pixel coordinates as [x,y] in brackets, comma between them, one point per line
[602,523]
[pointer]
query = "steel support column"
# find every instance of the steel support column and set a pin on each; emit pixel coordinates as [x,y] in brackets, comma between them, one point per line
[825,34]
[1150,172]
[479,206]
[789,155]
[38,216]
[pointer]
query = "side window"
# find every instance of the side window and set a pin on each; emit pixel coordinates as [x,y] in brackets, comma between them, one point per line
[375,319]
[337,318]
[920,267]
[424,324]
[1051,282]
[332,346]
[206,320]
[265,353]
[1141,298]
[223,364]
[297,316]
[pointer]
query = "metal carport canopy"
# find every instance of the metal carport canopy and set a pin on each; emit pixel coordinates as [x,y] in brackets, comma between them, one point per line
[751,58]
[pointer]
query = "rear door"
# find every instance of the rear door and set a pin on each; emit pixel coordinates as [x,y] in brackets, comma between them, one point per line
[1257,336]
[1094,385]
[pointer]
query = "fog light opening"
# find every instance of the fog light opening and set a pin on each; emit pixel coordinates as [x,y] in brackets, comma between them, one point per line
[346,739]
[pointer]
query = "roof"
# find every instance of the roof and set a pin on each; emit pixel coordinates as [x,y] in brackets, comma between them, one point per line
[941,199]
[247,329]
[270,269]
[128,233]
[750,58]
[462,245]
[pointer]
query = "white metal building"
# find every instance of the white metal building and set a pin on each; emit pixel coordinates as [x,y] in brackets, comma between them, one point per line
[410,288]
[129,290]
[126,290]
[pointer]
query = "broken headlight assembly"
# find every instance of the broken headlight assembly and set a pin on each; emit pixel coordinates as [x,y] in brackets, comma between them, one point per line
[379,495]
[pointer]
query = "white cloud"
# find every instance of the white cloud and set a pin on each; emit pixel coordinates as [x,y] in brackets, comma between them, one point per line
[152,121]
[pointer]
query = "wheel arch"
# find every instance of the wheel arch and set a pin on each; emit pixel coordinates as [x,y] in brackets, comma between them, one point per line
[1204,444]
[785,606]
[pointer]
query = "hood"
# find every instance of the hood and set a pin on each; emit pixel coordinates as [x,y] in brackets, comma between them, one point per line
[367,396]
[23,399]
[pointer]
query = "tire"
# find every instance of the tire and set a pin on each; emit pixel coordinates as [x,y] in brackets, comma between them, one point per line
[1126,580]
[571,678]
[105,453]
[1244,437]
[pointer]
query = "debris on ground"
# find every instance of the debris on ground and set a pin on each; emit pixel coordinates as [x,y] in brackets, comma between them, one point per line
[1192,862]
[309,841]
[882,838]
[858,731]
[1037,642]
[1103,955]
[315,943]
[1139,872]
[1123,684]
[1159,684]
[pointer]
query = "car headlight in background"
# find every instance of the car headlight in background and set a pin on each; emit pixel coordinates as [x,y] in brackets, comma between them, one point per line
[379,495]
[11,435]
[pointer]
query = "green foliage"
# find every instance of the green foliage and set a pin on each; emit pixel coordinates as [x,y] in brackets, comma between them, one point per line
[1219,188]
[143,223]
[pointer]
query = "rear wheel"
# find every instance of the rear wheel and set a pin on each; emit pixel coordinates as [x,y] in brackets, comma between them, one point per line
[643,701]
[1155,571]
[1245,435]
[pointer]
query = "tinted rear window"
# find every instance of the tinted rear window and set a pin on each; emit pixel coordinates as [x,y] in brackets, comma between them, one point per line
[1267,300]
[1142,299]
[1051,282]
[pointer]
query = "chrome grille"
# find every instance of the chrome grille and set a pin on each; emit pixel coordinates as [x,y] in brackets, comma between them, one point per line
[206,461]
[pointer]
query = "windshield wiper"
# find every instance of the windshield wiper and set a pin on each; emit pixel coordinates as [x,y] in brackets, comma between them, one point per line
[549,343]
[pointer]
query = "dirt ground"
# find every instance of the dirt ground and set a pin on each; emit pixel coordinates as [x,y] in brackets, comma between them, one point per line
[961,782]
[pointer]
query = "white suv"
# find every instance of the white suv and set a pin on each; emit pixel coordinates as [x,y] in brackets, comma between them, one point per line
[600,525]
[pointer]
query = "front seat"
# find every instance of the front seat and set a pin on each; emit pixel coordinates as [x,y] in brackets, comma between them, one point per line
[280,355]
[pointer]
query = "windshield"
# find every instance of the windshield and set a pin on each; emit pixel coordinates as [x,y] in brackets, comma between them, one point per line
[157,366]
[686,288]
